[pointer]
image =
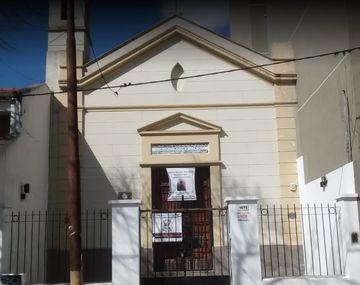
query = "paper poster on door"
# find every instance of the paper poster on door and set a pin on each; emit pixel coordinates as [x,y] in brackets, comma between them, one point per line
[181,184]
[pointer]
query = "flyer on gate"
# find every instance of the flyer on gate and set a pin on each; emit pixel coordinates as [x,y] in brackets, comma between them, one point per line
[167,227]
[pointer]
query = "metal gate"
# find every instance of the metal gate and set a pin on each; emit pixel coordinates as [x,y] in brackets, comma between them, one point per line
[198,251]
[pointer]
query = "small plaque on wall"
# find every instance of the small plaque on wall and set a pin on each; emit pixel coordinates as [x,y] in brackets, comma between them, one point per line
[179,148]
[243,213]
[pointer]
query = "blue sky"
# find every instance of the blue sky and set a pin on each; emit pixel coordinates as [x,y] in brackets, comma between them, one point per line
[23,30]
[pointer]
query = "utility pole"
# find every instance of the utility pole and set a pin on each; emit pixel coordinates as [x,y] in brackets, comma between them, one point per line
[74,192]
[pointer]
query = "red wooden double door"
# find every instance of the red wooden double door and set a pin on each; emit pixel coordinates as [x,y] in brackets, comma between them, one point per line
[194,252]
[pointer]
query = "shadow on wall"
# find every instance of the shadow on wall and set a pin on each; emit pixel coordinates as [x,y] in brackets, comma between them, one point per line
[58,165]
[98,185]
[231,187]
[235,188]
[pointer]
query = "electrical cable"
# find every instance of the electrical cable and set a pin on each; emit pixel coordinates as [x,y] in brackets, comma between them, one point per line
[98,66]
[323,82]
[124,85]
[93,52]
[18,72]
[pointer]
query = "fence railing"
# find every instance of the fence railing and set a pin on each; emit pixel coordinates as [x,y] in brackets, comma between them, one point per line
[302,240]
[184,242]
[296,240]
[36,243]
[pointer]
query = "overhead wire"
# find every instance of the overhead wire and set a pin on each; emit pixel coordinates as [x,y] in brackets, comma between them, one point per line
[94,55]
[17,71]
[130,84]
[15,19]
[99,67]
[323,82]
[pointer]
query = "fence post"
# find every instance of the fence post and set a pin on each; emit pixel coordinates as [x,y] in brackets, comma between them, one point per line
[243,228]
[349,225]
[125,242]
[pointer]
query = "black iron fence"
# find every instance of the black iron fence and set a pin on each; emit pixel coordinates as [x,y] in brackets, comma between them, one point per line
[36,244]
[296,240]
[184,242]
[302,240]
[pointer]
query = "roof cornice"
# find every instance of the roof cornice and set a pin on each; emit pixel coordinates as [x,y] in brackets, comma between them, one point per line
[177,27]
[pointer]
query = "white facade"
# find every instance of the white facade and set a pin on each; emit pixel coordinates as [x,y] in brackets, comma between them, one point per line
[254,109]
[249,143]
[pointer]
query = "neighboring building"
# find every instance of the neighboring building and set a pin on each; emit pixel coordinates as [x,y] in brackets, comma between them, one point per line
[327,129]
[24,148]
[24,162]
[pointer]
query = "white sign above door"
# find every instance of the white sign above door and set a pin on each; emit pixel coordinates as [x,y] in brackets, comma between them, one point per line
[179,148]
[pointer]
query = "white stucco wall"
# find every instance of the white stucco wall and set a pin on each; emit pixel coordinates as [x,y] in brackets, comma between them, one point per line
[237,87]
[340,182]
[340,196]
[111,152]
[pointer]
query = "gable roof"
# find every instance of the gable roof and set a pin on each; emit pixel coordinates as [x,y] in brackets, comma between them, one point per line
[179,27]
[165,125]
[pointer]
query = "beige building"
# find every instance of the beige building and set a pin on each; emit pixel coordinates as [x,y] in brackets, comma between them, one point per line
[254,109]
[180,118]
[244,121]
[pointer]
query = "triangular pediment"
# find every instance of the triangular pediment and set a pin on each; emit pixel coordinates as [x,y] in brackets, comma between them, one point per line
[179,123]
[182,29]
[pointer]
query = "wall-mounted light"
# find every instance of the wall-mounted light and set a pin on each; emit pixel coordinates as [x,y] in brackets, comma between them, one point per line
[25,189]
[323,182]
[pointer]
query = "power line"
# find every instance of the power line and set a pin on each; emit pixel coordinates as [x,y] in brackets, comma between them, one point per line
[93,52]
[124,85]
[98,65]
[323,82]
[18,72]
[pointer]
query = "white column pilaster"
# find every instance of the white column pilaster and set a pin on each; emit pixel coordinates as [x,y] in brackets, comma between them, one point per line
[244,241]
[125,242]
